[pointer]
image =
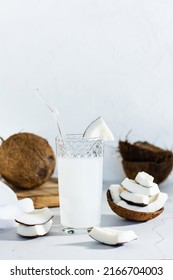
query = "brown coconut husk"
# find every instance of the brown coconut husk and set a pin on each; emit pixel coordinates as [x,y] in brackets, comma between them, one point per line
[159,171]
[143,151]
[26,160]
[131,215]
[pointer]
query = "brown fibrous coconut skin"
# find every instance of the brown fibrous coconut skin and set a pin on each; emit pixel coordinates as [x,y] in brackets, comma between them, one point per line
[160,171]
[143,156]
[26,160]
[143,151]
[130,214]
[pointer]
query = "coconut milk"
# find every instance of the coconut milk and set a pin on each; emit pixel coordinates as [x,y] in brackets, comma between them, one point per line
[80,190]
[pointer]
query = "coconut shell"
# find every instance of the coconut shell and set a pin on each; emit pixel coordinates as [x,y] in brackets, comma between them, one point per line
[143,151]
[26,160]
[131,215]
[159,171]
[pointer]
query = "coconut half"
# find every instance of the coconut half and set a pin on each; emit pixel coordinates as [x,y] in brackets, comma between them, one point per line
[111,236]
[160,171]
[98,128]
[150,208]
[34,231]
[36,217]
[133,215]
[143,152]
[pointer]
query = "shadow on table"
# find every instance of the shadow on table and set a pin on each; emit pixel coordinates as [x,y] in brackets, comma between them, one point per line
[107,220]
[11,235]
[115,221]
[91,245]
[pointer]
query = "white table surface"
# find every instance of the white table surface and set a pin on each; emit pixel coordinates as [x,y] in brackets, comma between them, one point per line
[155,239]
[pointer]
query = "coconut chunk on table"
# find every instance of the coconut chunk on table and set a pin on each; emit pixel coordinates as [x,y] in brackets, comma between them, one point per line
[112,236]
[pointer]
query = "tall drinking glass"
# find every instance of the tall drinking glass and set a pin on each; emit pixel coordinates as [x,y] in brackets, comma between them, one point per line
[80,172]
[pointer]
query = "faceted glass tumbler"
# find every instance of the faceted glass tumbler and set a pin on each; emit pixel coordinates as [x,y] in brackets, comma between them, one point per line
[80,178]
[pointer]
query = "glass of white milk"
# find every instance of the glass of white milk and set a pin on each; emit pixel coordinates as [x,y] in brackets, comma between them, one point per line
[80,173]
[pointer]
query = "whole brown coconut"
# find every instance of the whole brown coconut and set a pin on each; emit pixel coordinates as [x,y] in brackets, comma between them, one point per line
[26,160]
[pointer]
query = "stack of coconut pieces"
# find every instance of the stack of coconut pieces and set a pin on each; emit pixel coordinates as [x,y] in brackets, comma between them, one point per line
[138,200]
[30,222]
[35,223]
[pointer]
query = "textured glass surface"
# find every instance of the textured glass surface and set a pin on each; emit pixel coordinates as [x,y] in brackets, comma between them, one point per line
[78,146]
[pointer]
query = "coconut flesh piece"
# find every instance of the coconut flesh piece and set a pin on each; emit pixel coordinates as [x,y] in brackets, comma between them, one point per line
[138,199]
[111,236]
[10,212]
[98,128]
[36,217]
[34,231]
[115,192]
[157,204]
[144,179]
[7,196]
[152,207]
[134,187]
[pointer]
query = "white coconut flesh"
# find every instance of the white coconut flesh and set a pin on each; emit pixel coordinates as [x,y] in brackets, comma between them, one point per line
[34,231]
[115,191]
[111,236]
[155,205]
[134,187]
[152,207]
[98,128]
[36,217]
[140,199]
[144,179]
[7,195]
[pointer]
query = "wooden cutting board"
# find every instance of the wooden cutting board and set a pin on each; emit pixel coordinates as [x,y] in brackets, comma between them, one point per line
[45,195]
